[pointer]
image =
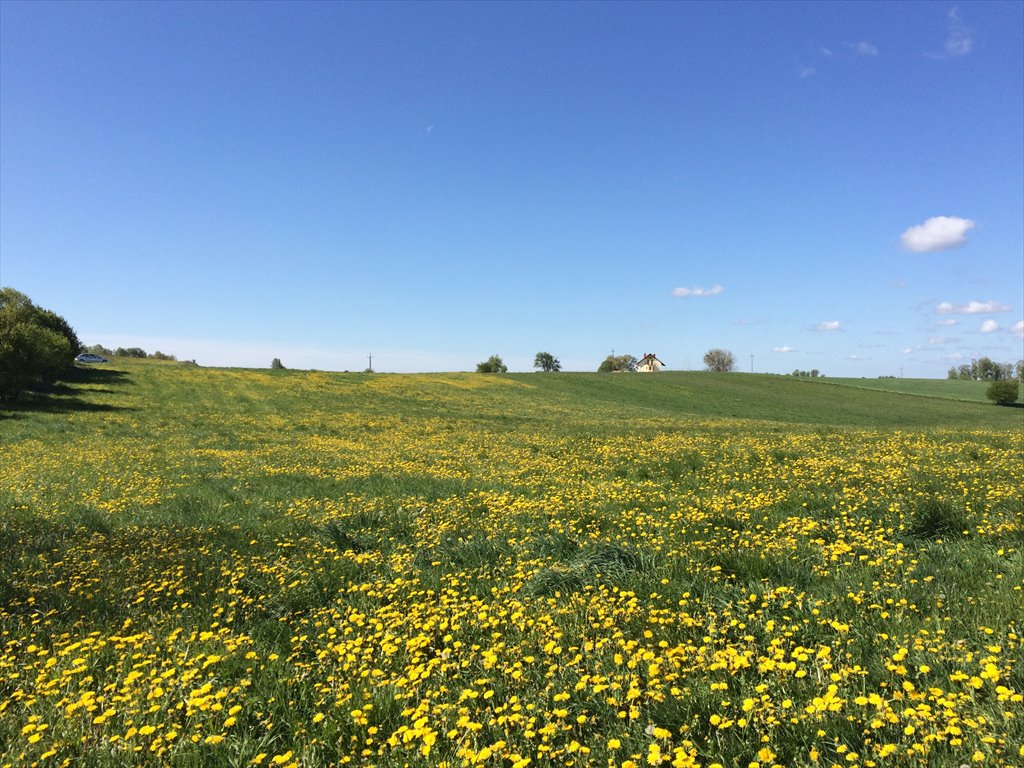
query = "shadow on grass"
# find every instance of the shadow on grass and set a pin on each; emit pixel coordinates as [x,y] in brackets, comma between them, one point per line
[63,397]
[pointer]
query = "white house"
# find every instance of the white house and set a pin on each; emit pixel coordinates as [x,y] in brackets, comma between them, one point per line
[649,363]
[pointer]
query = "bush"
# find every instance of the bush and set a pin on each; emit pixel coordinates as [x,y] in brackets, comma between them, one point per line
[1003,392]
[493,364]
[614,363]
[276,364]
[36,345]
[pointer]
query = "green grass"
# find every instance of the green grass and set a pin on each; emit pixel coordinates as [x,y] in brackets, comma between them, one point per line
[943,389]
[187,393]
[547,562]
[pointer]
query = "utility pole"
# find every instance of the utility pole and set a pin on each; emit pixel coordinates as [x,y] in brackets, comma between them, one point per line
[370,369]
[751,362]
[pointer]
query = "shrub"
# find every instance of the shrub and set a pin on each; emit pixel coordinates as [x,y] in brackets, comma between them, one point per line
[1003,392]
[614,363]
[493,364]
[276,364]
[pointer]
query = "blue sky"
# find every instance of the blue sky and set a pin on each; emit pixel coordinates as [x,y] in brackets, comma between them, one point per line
[836,186]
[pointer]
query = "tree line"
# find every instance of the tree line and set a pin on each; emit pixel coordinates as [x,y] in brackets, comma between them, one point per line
[721,360]
[138,352]
[986,369]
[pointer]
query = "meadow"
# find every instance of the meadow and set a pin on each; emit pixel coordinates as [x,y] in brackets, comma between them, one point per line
[216,567]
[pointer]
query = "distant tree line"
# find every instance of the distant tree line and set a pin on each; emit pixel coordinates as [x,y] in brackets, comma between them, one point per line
[985,369]
[812,374]
[36,345]
[99,349]
[721,360]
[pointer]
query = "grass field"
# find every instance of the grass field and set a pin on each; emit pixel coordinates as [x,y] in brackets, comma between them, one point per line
[973,391]
[214,567]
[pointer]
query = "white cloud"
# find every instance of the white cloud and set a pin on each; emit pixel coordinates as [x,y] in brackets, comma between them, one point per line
[959,39]
[783,349]
[937,340]
[937,234]
[859,357]
[683,293]
[971,308]
[829,325]
[1018,329]
[806,72]
[826,52]
[989,326]
[947,322]
[864,48]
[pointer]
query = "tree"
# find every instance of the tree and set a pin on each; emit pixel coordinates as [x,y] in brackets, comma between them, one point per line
[721,360]
[276,364]
[985,369]
[493,364]
[1003,392]
[614,363]
[36,345]
[547,362]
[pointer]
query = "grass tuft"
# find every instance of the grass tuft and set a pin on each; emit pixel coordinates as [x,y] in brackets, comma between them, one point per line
[935,518]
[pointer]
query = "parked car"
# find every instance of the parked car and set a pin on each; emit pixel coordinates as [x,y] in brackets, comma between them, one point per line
[88,357]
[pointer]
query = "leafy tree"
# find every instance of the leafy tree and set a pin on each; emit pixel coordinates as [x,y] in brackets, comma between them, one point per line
[57,324]
[276,364]
[547,362]
[614,363]
[1003,392]
[99,349]
[36,345]
[985,369]
[1019,369]
[493,364]
[158,355]
[721,360]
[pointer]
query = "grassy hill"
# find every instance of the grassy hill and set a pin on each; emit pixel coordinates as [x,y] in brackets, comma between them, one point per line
[945,389]
[163,392]
[218,567]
